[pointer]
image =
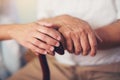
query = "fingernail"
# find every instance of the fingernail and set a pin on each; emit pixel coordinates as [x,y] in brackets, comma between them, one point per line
[58,44]
[52,49]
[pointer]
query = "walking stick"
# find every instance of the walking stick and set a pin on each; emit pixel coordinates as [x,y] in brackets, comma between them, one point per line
[44,63]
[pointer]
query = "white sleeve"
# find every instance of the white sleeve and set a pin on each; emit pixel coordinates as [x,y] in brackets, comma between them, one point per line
[118,8]
[43,9]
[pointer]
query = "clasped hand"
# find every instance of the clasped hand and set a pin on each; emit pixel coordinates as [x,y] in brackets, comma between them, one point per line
[42,36]
[78,36]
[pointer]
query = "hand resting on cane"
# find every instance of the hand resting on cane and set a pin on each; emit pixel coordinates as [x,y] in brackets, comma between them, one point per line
[78,34]
[35,37]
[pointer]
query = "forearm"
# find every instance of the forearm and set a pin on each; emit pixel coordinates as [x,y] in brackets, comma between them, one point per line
[4,31]
[110,35]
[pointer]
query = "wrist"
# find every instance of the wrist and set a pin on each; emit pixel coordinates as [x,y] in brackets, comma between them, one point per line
[11,31]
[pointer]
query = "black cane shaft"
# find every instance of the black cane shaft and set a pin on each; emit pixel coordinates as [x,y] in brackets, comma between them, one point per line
[44,67]
[44,63]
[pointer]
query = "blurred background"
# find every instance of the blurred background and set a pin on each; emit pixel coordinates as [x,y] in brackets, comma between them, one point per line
[12,55]
[26,10]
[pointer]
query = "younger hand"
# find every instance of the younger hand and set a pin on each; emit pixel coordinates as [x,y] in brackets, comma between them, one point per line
[36,37]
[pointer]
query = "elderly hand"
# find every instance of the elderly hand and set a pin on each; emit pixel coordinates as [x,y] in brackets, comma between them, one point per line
[79,36]
[36,37]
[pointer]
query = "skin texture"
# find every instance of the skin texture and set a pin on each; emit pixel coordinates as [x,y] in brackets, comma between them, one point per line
[78,35]
[110,35]
[32,36]
[76,31]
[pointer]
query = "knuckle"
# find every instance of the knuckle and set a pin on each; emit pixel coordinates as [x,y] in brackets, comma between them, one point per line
[75,34]
[82,31]
[90,32]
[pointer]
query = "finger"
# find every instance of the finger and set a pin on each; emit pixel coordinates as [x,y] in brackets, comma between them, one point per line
[41,44]
[76,42]
[51,32]
[35,48]
[69,44]
[93,44]
[45,38]
[84,43]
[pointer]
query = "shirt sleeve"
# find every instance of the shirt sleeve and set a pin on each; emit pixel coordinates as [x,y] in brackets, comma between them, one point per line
[43,9]
[118,8]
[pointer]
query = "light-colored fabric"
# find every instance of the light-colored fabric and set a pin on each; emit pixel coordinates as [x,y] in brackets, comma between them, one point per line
[118,8]
[97,13]
[10,51]
[32,71]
